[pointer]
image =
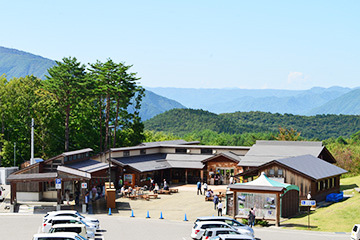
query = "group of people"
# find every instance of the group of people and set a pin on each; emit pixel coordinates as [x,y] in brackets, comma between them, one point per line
[155,187]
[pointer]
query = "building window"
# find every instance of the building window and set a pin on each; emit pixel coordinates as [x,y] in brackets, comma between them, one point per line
[280,173]
[206,151]
[180,150]
[126,153]
[142,151]
[271,172]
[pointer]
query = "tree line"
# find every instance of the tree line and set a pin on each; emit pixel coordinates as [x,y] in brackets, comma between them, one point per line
[76,106]
[184,121]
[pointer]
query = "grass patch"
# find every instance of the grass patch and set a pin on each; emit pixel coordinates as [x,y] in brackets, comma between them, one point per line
[338,217]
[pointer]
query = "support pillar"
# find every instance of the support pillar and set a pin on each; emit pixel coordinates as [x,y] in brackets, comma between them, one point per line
[235,203]
[186,176]
[58,205]
[202,175]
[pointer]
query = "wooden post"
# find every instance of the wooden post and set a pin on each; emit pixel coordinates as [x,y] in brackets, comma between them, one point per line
[278,207]
[13,193]
[186,175]
[202,175]
[235,203]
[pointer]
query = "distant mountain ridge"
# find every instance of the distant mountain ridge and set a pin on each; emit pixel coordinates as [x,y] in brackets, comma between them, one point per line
[317,100]
[301,102]
[15,63]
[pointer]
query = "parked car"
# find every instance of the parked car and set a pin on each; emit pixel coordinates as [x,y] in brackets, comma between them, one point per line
[355,233]
[232,237]
[49,222]
[199,228]
[76,228]
[74,214]
[240,227]
[58,236]
[2,193]
[213,232]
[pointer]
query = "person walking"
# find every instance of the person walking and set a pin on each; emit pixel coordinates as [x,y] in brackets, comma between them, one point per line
[220,207]
[216,201]
[199,188]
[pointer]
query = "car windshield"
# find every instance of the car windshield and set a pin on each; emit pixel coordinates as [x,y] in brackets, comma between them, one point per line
[83,223]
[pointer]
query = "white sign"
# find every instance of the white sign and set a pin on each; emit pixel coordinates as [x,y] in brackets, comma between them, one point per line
[84,185]
[58,183]
[308,202]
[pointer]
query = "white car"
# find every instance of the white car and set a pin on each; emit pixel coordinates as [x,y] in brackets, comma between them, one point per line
[232,237]
[76,228]
[213,232]
[74,214]
[240,227]
[200,227]
[355,233]
[57,236]
[2,193]
[49,222]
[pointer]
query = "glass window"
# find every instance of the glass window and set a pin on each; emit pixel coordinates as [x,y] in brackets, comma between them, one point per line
[126,153]
[280,173]
[180,150]
[206,151]
[142,151]
[271,172]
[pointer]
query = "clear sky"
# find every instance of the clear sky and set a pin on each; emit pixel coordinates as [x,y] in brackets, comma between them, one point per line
[197,44]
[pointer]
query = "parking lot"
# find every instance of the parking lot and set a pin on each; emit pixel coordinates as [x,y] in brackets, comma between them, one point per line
[120,225]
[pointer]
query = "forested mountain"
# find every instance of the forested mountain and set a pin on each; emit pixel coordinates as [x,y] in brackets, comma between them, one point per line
[348,103]
[266,100]
[183,121]
[15,63]
[154,104]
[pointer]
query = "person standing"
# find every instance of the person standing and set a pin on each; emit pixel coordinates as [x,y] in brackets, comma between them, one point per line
[216,201]
[199,188]
[205,186]
[220,207]
[251,219]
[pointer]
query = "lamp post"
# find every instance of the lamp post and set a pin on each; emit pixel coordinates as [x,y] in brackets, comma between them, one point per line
[110,127]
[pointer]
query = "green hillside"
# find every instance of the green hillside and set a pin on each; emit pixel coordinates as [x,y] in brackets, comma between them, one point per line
[15,63]
[183,121]
[348,103]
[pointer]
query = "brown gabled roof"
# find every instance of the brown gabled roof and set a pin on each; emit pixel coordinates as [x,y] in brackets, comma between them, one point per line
[229,155]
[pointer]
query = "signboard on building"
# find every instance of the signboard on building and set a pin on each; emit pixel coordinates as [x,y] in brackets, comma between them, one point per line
[84,185]
[57,183]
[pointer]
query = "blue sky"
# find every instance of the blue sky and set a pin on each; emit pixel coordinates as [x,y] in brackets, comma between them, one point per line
[197,44]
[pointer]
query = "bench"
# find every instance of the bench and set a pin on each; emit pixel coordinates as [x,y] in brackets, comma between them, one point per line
[164,192]
[155,196]
[133,197]
[174,190]
[145,196]
[209,198]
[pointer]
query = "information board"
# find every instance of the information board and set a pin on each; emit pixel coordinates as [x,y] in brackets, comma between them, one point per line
[308,203]
[264,204]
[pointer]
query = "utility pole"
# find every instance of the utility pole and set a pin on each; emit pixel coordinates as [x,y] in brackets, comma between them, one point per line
[14,154]
[32,142]
[110,127]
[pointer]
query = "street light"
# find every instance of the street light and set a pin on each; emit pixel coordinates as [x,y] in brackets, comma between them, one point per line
[110,127]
